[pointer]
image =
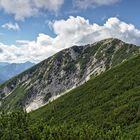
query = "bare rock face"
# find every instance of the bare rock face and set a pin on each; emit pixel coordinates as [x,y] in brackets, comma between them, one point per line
[62,72]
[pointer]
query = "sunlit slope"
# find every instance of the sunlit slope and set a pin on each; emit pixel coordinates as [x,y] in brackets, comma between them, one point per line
[108,100]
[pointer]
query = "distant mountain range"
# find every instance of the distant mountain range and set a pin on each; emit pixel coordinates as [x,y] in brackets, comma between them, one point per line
[9,70]
[2,64]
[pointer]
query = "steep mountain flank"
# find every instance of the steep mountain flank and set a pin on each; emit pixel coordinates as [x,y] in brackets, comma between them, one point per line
[109,100]
[64,71]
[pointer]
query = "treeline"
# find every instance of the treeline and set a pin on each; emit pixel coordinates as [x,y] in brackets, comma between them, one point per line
[18,126]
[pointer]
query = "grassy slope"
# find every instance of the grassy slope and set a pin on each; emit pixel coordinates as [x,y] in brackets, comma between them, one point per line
[14,100]
[108,100]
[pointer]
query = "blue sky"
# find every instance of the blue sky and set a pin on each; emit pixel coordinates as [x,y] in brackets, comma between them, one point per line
[40,26]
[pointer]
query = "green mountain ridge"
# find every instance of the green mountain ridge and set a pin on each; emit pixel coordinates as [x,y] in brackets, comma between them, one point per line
[105,107]
[62,72]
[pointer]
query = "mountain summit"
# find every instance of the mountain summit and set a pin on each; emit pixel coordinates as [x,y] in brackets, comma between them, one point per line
[62,72]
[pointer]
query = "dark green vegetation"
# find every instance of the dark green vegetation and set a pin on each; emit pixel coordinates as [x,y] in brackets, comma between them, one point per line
[106,107]
[18,126]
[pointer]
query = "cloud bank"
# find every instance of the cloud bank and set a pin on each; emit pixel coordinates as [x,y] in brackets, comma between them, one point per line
[73,31]
[22,9]
[26,8]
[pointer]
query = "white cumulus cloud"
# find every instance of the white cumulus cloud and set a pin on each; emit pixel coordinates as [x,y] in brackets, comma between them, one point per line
[73,31]
[11,26]
[84,4]
[26,8]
